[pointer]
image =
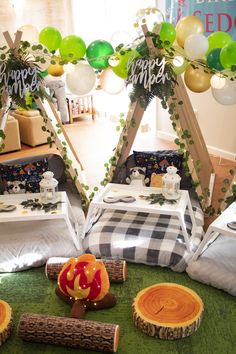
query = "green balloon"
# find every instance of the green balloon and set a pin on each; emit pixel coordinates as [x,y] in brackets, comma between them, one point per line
[72,47]
[167,33]
[50,37]
[98,53]
[43,73]
[218,40]
[125,58]
[228,55]
[213,59]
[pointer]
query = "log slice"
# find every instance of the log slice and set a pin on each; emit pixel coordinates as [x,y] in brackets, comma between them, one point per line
[6,321]
[167,311]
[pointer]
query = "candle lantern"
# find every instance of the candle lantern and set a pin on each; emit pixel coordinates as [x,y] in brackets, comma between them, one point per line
[171,188]
[48,187]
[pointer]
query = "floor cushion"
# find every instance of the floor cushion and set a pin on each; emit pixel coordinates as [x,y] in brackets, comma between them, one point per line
[142,238]
[217,265]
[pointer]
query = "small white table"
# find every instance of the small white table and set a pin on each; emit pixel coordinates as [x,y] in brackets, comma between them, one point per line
[64,211]
[142,205]
[219,225]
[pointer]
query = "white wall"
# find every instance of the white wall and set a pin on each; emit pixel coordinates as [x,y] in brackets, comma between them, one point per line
[217,123]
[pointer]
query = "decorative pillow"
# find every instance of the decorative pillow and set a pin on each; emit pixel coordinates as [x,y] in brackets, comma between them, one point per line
[27,175]
[158,161]
[156,180]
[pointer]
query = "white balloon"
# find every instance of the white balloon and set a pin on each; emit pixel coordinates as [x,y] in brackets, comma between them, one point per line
[225,95]
[195,46]
[82,80]
[30,33]
[111,83]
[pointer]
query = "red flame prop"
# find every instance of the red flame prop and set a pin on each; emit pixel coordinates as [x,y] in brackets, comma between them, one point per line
[84,278]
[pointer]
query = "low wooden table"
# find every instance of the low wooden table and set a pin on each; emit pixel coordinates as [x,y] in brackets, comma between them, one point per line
[142,205]
[219,225]
[64,211]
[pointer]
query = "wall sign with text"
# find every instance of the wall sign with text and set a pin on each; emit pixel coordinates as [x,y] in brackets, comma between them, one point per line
[217,15]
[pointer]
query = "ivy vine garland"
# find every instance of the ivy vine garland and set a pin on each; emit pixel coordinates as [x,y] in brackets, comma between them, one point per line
[20,73]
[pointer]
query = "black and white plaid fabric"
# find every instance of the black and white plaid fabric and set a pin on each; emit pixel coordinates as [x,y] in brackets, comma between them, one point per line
[143,238]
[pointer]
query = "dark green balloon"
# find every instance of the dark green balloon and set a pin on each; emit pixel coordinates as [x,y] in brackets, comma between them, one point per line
[142,48]
[213,59]
[98,53]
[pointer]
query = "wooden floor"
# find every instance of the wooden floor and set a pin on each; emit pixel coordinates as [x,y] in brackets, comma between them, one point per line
[94,141]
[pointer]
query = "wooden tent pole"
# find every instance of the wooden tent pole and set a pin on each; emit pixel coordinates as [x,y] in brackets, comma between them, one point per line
[75,171]
[52,106]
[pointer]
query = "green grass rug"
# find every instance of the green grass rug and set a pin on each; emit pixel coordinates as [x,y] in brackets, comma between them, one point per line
[31,291]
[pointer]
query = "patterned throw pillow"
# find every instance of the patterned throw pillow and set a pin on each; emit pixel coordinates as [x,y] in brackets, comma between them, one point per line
[29,175]
[158,161]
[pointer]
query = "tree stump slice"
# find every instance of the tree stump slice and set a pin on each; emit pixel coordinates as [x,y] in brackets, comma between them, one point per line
[167,311]
[6,321]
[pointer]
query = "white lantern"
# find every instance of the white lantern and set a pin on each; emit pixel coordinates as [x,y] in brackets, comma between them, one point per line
[171,180]
[48,187]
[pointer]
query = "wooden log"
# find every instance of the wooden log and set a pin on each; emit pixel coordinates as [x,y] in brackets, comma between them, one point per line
[6,321]
[167,311]
[116,269]
[71,332]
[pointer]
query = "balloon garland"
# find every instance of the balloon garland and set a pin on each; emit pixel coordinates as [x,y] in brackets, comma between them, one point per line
[184,48]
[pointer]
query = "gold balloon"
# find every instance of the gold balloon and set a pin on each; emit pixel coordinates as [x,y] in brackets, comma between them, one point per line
[186,26]
[55,69]
[197,80]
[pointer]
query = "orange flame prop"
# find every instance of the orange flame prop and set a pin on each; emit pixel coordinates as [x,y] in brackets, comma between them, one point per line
[84,278]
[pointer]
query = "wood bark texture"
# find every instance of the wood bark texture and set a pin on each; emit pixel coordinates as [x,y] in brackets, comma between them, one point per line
[71,332]
[116,269]
[167,311]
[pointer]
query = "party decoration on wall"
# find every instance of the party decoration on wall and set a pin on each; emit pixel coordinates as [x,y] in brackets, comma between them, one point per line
[111,83]
[84,279]
[72,47]
[197,79]
[55,69]
[217,15]
[167,311]
[30,33]
[98,53]
[6,321]
[82,80]
[50,37]
[186,26]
